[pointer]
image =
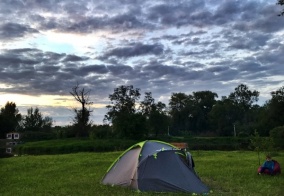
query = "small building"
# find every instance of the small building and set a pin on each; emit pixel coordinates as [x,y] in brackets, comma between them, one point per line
[9,150]
[13,139]
[13,136]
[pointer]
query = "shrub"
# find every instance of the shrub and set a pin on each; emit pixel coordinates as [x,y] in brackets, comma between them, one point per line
[101,132]
[278,136]
[72,146]
[277,132]
[37,136]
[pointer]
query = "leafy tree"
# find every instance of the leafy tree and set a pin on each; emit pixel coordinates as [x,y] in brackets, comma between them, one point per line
[178,102]
[270,115]
[148,104]
[136,127]
[244,100]
[281,2]
[223,116]
[180,111]
[263,124]
[81,120]
[203,102]
[9,119]
[155,114]
[276,107]
[34,121]
[243,97]
[190,112]
[126,122]
[123,100]
[235,113]
[47,123]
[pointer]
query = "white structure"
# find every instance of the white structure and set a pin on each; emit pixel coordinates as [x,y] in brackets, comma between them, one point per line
[13,136]
[9,150]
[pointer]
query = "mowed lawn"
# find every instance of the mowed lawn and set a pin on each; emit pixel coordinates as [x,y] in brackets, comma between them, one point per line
[225,172]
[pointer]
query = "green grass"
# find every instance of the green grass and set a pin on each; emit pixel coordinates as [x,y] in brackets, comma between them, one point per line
[226,173]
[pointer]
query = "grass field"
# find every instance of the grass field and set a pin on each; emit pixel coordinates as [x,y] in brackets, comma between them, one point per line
[226,173]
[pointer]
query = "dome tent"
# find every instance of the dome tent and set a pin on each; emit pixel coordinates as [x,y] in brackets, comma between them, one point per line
[154,166]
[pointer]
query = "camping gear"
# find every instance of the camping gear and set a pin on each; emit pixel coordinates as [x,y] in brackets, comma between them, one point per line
[276,170]
[155,166]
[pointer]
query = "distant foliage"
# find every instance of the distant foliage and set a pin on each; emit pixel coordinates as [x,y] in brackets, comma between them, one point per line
[9,119]
[128,117]
[277,132]
[35,121]
[72,146]
[190,113]
[64,132]
[155,115]
[126,121]
[101,132]
[31,136]
[278,136]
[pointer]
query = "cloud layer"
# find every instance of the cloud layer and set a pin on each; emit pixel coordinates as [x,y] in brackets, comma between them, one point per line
[46,47]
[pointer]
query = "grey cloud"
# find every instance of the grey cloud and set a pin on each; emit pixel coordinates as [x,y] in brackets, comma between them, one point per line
[74,58]
[120,70]
[249,66]
[250,41]
[272,55]
[228,10]
[259,17]
[226,76]
[133,50]
[84,26]
[47,69]
[122,16]
[218,69]
[14,30]
[40,71]
[99,69]
[176,13]
[171,73]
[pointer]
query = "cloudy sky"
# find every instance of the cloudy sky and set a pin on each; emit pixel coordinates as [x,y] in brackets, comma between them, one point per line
[161,46]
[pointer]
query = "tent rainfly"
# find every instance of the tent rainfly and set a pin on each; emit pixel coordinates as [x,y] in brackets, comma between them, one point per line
[155,166]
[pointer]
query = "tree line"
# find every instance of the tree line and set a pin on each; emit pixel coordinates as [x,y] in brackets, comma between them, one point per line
[200,114]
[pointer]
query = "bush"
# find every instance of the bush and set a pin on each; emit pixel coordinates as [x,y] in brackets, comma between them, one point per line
[72,146]
[278,136]
[64,132]
[212,143]
[37,136]
[101,132]
[243,134]
[277,132]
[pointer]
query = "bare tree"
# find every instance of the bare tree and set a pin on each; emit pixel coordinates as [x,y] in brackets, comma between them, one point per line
[82,121]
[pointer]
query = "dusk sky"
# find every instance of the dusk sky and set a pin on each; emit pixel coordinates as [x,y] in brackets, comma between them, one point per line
[158,46]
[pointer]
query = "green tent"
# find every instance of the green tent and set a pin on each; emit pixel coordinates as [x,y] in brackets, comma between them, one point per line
[155,166]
